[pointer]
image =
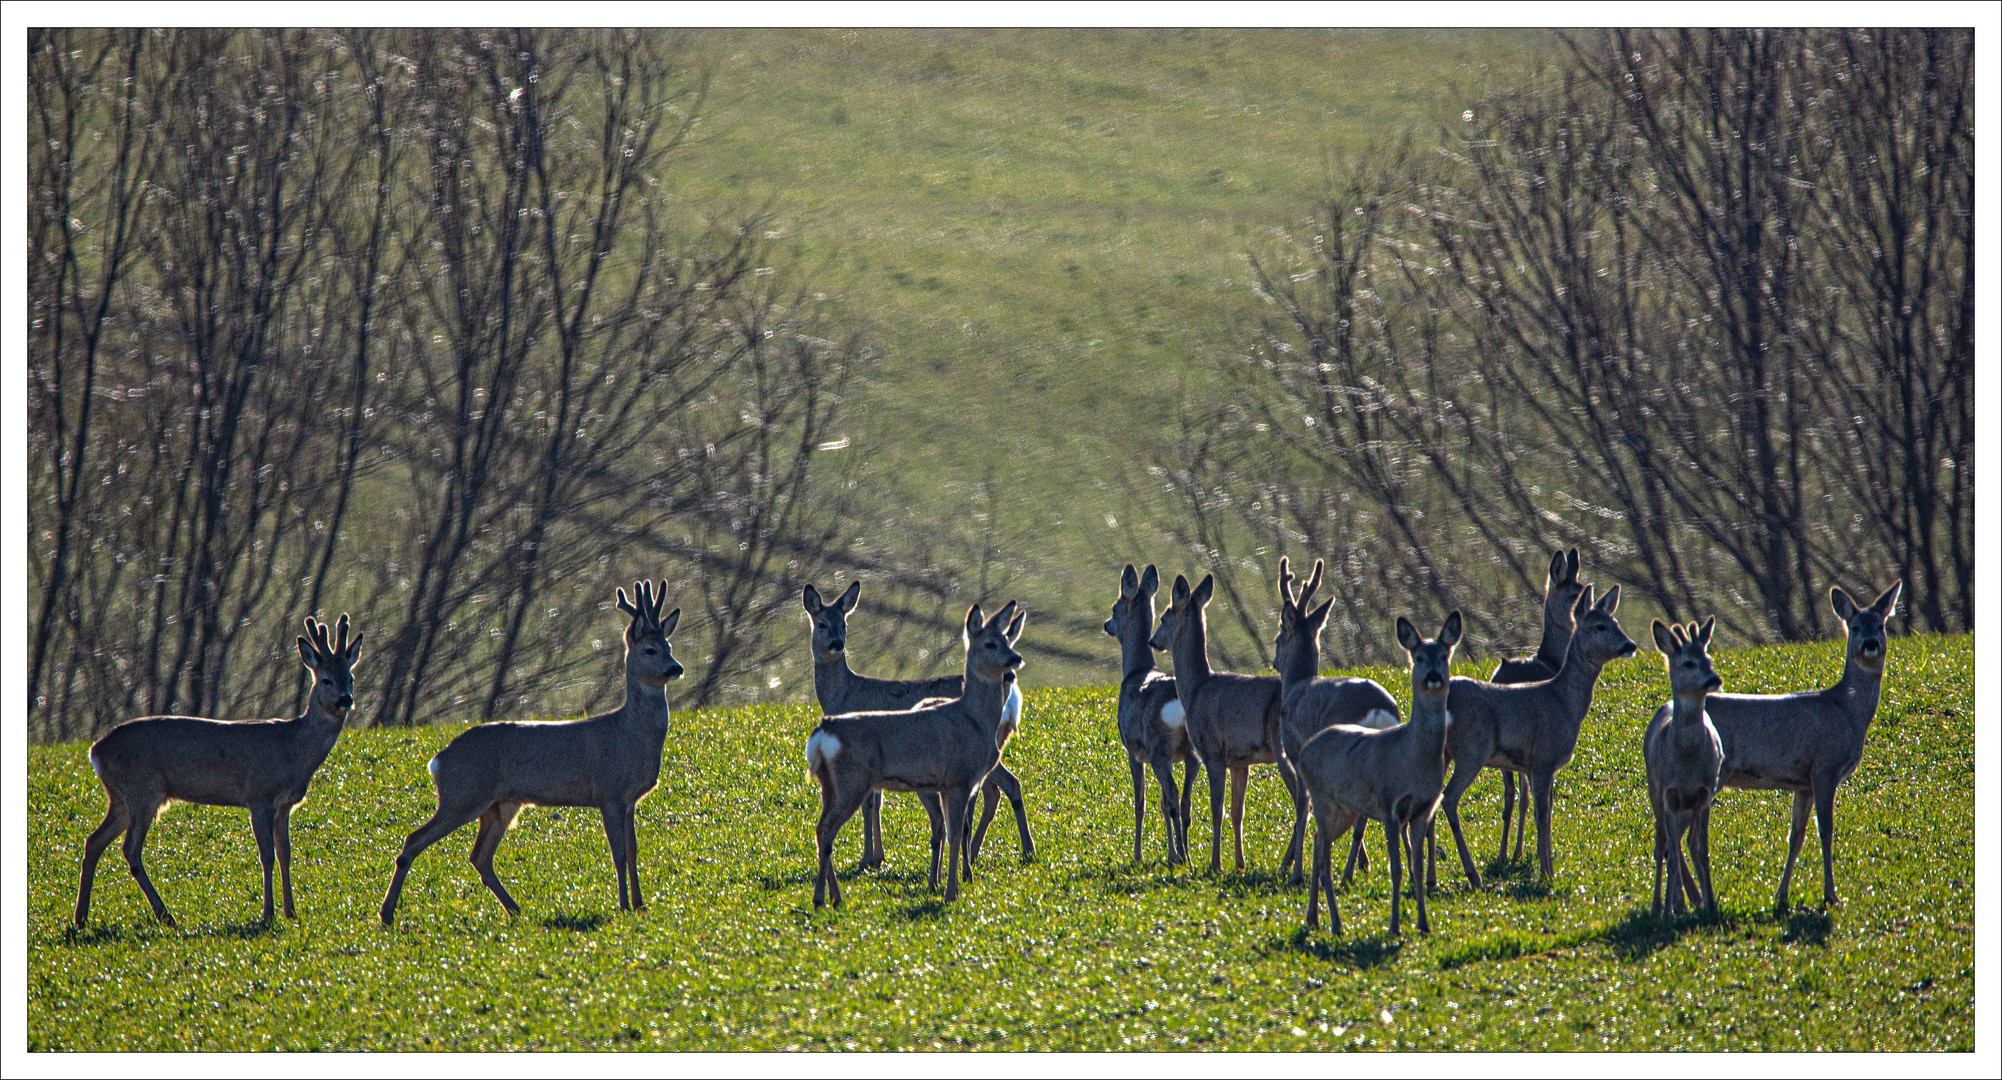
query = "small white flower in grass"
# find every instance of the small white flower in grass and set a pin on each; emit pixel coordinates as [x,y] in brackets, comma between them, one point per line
[1383,1015]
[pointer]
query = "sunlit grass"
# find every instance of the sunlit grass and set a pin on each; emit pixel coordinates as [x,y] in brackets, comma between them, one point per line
[1079,950]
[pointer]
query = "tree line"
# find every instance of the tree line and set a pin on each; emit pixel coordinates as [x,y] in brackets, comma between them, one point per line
[408,323]
[1698,302]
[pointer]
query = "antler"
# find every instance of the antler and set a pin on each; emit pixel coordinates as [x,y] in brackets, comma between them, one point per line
[659,600]
[341,636]
[1313,585]
[626,605]
[1285,583]
[317,630]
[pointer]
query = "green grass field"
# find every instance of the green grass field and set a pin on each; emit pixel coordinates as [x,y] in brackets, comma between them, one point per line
[1046,231]
[1079,950]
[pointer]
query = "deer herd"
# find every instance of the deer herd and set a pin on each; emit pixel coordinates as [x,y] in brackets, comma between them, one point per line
[1338,745]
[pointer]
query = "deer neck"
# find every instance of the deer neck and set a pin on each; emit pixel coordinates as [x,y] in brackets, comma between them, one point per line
[1688,710]
[1192,657]
[1303,664]
[1428,720]
[1858,692]
[831,680]
[1557,632]
[645,704]
[985,700]
[1136,657]
[1576,676]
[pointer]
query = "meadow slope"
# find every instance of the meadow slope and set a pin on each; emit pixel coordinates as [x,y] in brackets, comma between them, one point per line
[1079,950]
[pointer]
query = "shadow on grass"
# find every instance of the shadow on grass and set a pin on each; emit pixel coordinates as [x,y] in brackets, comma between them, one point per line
[1636,937]
[1357,953]
[582,922]
[243,931]
[1808,927]
[928,910]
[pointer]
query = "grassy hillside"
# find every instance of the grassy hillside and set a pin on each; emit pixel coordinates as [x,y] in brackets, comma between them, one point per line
[1048,231]
[1079,950]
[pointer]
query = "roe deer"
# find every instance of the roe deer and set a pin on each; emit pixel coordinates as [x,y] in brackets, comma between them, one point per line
[1150,716]
[263,766]
[1233,719]
[1807,743]
[1309,703]
[840,690]
[1531,727]
[609,762]
[1560,590]
[1394,775]
[1684,760]
[946,748]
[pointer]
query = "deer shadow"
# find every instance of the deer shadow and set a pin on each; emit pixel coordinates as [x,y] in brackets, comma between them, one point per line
[583,922]
[1808,927]
[1357,953]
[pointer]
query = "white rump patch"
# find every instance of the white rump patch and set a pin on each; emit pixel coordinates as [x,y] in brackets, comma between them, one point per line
[1172,714]
[1380,719]
[1011,711]
[821,746]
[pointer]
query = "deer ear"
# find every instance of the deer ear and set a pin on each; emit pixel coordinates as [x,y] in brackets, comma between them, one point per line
[1610,602]
[1180,595]
[354,652]
[1583,605]
[1557,569]
[1449,634]
[1407,635]
[1664,642]
[667,625]
[1887,602]
[1845,608]
[1319,616]
[1202,593]
[1129,582]
[974,621]
[306,654]
[850,597]
[809,598]
[1571,565]
[1014,630]
[1150,581]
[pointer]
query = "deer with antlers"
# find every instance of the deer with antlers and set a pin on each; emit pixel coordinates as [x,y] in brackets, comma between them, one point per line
[607,762]
[1309,703]
[263,766]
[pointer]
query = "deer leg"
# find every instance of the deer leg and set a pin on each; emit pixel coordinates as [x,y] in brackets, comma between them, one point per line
[1824,820]
[1314,880]
[1296,848]
[1699,835]
[494,822]
[1171,814]
[930,802]
[1010,786]
[1801,802]
[633,854]
[1660,859]
[823,844]
[872,831]
[1521,813]
[1358,858]
[1187,806]
[442,824]
[1240,778]
[1416,830]
[1449,801]
[281,835]
[840,806]
[615,837]
[1215,774]
[1140,808]
[1508,811]
[1392,842]
[260,827]
[958,803]
[142,816]
[1545,790]
[93,849]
